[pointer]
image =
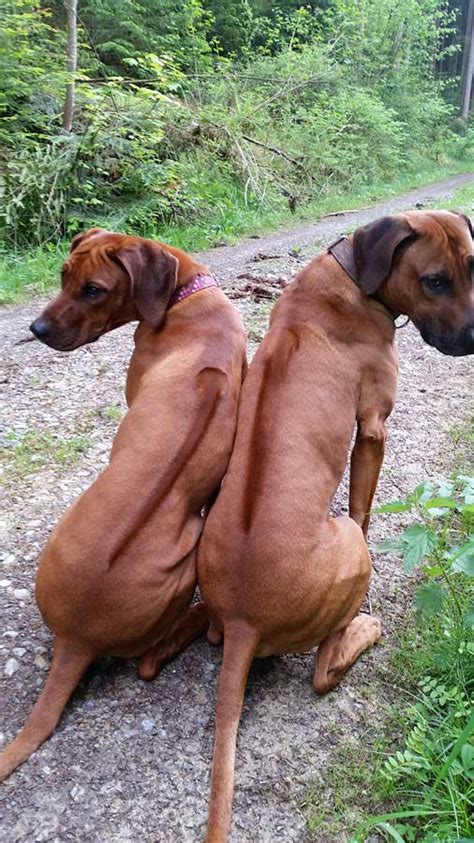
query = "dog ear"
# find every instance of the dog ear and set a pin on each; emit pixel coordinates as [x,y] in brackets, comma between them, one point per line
[153,273]
[467,220]
[375,246]
[84,235]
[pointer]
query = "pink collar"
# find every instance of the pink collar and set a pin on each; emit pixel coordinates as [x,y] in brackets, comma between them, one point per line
[199,282]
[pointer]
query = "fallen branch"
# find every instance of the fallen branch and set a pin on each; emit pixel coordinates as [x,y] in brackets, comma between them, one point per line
[347,211]
[279,152]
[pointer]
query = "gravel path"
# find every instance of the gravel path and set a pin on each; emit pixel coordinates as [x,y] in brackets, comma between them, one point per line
[130,761]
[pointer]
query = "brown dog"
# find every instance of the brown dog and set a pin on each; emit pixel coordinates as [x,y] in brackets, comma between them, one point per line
[118,574]
[277,573]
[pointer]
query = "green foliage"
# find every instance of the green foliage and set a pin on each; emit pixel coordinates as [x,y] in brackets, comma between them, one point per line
[194,101]
[431,777]
[180,105]
[226,214]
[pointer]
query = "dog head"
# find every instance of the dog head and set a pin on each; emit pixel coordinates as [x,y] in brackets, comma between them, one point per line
[108,279]
[422,264]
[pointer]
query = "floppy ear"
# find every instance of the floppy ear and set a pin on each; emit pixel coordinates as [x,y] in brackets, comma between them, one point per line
[374,249]
[468,221]
[84,235]
[153,272]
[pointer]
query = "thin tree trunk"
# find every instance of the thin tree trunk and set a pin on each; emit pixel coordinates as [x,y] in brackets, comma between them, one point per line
[468,64]
[71,7]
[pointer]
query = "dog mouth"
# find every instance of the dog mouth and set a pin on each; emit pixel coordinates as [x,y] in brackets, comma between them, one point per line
[67,341]
[459,344]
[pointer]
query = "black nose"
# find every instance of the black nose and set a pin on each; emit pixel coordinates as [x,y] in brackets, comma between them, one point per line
[40,328]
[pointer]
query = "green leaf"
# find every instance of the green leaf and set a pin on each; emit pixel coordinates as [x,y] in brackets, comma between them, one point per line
[395,506]
[468,618]
[440,503]
[429,598]
[467,489]
[418,541]
[455,751]
[394,834]
[445,488]
[423,492]
[463,560]
[467,759]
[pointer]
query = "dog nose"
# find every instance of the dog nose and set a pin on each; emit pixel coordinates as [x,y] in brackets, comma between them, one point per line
[40,328]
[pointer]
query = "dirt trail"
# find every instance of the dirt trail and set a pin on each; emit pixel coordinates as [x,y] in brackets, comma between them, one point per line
[130,761]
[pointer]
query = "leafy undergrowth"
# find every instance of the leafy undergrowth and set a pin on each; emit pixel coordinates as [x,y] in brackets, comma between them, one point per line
[413,778]
[26,273]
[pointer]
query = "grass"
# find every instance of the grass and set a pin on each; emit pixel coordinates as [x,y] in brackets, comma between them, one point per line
[27,452]
[36,272]
[412,778]
[461,200]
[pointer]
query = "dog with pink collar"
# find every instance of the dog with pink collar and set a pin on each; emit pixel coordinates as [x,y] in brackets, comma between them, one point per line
[118,574]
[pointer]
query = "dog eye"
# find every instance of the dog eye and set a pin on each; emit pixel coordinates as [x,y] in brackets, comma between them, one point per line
[437,284]
[91,291]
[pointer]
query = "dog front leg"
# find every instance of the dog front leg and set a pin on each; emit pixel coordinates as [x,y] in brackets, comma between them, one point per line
[366,462]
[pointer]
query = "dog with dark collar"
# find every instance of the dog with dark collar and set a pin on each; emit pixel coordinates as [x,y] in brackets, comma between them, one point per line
[277,573]
[118,574]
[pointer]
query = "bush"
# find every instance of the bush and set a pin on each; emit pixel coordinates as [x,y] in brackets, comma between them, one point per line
[431,776]
[302,103]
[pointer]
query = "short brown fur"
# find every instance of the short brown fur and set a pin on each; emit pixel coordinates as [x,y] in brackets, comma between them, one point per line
[277,573]
[118,574]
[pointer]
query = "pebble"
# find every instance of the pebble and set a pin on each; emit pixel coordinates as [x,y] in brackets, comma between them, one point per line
[40,662]
[128,733]
[5,583]
[148,725]
[21,593]
[11,667]
[77,793]
[19,651]
[9,559]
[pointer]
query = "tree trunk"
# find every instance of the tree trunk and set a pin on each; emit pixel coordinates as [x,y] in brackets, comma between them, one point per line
[71,7]
[468,64]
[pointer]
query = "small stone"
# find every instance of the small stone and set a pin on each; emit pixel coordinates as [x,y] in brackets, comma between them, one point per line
[10,633]
[40,662]
[19,651]
[5,583]
[128,733]
[11,667]
[21,593]
[148,725]
[3,738]
[9,559]
[77,793]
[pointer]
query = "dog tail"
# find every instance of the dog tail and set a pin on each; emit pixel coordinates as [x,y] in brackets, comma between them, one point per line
[70,660]
[239,649]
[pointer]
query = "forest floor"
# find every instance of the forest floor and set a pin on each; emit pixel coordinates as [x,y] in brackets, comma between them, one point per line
[130,761]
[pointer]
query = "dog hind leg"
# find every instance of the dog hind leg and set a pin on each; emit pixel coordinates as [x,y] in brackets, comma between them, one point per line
[193,624]
[341,649]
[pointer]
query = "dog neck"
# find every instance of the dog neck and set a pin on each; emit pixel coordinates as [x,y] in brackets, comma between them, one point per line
[343,253]
[201,281]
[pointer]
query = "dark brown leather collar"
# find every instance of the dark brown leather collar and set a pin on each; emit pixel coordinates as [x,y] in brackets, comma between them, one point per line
[343,252]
